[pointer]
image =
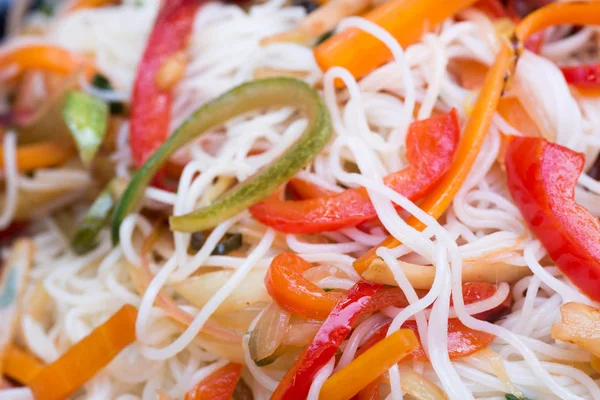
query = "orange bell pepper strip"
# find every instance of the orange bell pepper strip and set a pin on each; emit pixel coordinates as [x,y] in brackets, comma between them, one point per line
[406,20]
[40,155]
[83,360]
[430,143]
[367,367]
[219,385]
[46,57]
[436,203]
[20,366]
[293,292]
[296,382]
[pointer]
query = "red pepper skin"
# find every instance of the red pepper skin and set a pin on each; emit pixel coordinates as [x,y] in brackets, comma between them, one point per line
[583,76]
[217,386]
[462,341]
[430,147]
[541,179]
[151,106]
[296,382]
[293,292]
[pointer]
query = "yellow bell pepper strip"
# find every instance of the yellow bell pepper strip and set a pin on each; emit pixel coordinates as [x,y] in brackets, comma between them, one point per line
[81,362]
[46,57]
[242,99]
[20,366]
[406,20]
[40,155]
[499,75]
[367,367]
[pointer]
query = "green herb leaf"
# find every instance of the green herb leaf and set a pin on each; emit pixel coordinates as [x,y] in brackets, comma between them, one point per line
[87,119]
[510,396]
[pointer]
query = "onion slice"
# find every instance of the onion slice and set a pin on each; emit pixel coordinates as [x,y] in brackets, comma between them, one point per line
[268,333]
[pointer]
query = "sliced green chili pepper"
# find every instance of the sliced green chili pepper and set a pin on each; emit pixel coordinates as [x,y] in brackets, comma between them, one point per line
[281,91]
[98,215]
[87,119]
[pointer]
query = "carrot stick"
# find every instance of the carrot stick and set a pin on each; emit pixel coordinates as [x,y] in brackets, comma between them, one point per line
[20,366]
[406,20]
[436,203]
[40,155]
[77,5]
[81,362]
[45,57]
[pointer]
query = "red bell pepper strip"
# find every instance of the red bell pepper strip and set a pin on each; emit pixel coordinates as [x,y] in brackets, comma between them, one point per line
[296,382]
[293,292]
[462,341]
[151,106]
[583,77]
[541,179]
[219,385]
[430,147]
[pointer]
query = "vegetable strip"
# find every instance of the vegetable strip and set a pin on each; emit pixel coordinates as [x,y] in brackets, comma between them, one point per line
[20,366]
[46,57]
[369,366]
[244,98]
[40,155]
[83,360]
[406,20]
[219,385]
[436,203]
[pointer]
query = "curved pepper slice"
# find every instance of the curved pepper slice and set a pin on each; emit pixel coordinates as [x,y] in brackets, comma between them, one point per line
[242,99]
[430,147]
[151,106]
[541,179]
[586,78]
[46,57]
[293,292]
[219,385]
[296,382]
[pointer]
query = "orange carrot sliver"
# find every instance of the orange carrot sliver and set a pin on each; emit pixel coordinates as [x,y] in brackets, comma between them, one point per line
[367,367]
[436,203]
[82,361]
[20,366]
[77,5]
[40,155]
[406,20]
[45,57]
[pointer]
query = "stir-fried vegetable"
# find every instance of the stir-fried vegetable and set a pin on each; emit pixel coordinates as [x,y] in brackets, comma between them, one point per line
[246,97]
[294,293]
[101,82]
[85,238]
[219,385]
[199,289]
[585,78]
[15,276]
[368,366]
[406,20]
[462,341]
[41,155]
[46,57]
[499,75]
[87,118]
[76,5]
[151,104]
[296,382]
[580,324]
[268,333]
[541,178]
[430,148]
[83,360]
[20,366]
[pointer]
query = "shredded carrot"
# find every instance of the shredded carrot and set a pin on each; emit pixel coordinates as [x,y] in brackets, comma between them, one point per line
[83,360]
[406,20]
[45,57]
[368,366]
[77,5]
[499,75]
[40,155]
[20,366]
